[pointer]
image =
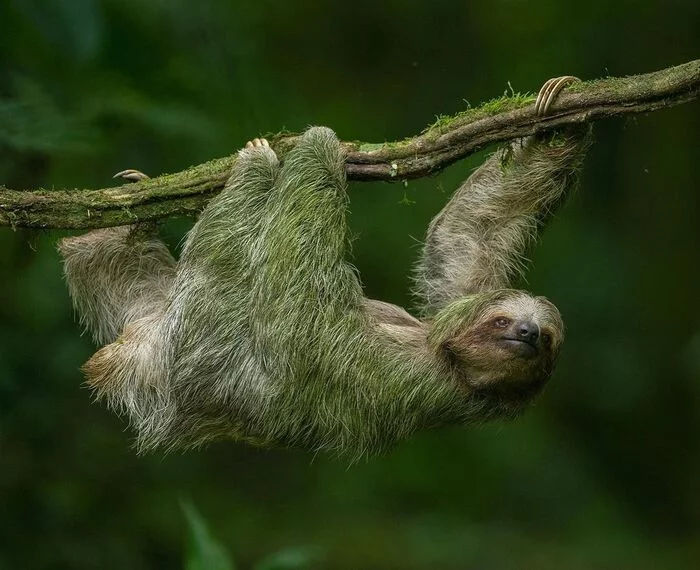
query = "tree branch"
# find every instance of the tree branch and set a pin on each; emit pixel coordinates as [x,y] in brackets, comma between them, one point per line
[443,143]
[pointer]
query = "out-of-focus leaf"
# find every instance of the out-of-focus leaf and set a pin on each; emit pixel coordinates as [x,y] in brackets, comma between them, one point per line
[204,552]
[299,558]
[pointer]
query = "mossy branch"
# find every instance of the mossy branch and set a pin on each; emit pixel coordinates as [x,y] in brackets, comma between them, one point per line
[443,143]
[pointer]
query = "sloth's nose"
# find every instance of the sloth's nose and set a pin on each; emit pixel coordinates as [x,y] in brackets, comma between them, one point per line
[527,330]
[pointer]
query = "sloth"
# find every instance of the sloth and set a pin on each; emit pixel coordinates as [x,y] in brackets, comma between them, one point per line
[261,333]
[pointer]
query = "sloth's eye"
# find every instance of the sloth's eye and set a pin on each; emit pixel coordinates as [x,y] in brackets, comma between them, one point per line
[546,339]
[501,322]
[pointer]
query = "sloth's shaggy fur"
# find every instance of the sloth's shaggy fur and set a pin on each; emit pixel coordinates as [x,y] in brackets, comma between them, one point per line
[260,331]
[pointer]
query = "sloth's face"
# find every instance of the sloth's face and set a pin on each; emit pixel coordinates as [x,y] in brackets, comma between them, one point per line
[508,347]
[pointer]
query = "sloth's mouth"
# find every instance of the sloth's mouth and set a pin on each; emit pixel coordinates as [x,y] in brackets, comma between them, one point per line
[521,347]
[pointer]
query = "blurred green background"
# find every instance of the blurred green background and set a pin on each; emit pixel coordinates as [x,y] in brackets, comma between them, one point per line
[604,472]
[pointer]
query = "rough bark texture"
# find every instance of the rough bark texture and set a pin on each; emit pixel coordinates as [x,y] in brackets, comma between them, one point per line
[448,140]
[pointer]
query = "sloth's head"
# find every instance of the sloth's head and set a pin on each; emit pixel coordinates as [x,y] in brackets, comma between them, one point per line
[503,344]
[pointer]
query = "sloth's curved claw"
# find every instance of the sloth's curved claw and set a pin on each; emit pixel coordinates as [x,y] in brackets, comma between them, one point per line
[550,91]
[257,143]
[131,175]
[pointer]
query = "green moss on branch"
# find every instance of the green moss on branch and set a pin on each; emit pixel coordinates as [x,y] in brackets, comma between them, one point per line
[447,140]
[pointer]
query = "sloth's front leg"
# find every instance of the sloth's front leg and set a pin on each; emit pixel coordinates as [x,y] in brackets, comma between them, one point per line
[480,240]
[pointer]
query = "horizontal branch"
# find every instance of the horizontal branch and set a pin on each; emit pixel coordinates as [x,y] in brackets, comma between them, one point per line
[448,140]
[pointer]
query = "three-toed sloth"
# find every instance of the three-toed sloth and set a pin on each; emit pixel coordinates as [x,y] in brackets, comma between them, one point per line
[260,332]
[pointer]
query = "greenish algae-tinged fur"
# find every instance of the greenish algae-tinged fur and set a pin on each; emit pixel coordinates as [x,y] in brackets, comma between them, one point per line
[261,332]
